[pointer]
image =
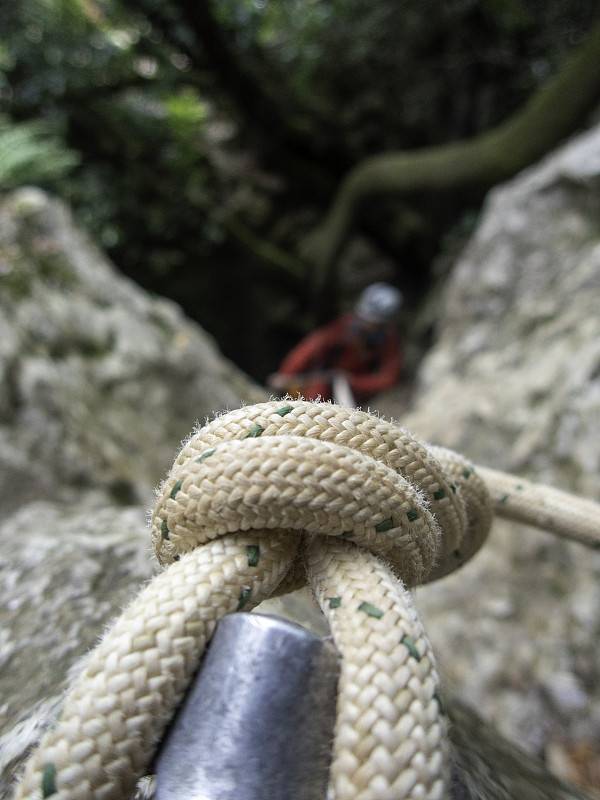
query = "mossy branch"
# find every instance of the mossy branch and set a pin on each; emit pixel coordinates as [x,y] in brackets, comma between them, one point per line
[545,119]
[264,250]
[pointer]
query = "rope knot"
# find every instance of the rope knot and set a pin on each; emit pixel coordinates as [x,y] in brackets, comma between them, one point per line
[245,486]
[323,469]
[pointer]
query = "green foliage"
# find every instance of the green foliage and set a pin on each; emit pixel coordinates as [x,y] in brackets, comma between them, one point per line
[187,112]
[395,73]
[30,153]
[183,183]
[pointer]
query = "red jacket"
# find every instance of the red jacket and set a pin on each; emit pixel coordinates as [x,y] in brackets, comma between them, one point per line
[372,360]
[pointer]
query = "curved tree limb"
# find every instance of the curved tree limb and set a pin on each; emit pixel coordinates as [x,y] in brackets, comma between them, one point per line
[266,251]
[547,117]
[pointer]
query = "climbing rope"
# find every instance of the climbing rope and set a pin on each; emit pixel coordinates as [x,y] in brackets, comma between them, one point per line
[260,501]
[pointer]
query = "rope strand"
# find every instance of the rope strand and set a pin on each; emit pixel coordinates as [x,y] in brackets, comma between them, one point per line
[545,507]
[390,738]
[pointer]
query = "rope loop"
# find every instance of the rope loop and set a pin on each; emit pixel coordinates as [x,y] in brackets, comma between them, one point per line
[326,469]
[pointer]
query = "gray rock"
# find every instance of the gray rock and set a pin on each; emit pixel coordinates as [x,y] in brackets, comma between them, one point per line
[66,571]
[514,379]
[99,381]
[513,382]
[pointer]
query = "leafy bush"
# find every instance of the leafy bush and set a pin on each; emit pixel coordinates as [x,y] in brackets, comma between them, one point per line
[31,153]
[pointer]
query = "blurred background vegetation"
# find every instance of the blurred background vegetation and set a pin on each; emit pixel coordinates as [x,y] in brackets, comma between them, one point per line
[201,141]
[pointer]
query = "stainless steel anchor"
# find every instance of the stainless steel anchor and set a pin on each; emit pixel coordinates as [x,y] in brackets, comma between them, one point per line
[258,719]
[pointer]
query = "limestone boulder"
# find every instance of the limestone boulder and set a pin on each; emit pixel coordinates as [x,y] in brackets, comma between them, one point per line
[99,380]
[514,378]
[513,382]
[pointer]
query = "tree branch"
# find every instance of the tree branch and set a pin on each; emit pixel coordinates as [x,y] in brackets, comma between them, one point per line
[546,118]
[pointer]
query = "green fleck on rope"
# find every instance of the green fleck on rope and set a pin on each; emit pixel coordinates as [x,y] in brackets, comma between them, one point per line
[504,499]
[519,487]
[439,495]
[466,473]
[205,456]
[453,487]
[164,529]
[347,535]
[412,515]
[411,647]
[175,489]
[244,597]
[253,554]
[440,701]
[335,602]
[48,780]
[253,433]
[285,410]
[371,610]
[386,525]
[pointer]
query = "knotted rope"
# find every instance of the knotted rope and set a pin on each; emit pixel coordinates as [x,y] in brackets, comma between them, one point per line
[378,512]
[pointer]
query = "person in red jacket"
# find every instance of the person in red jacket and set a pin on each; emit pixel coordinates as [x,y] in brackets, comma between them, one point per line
[360,349]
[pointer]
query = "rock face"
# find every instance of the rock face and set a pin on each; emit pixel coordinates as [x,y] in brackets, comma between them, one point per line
[99,381]
[514,383]
[515,376]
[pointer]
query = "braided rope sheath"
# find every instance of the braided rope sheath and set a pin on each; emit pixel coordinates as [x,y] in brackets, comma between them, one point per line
[226,525]
[574,518]
[390,737]
[448,485]
[119,707]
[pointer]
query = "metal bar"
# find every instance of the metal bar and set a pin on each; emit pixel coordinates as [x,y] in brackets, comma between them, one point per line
[258,720]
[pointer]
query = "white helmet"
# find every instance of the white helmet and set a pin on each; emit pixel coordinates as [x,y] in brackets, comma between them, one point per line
[378,302]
